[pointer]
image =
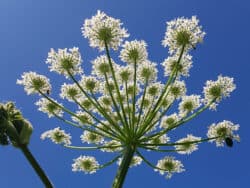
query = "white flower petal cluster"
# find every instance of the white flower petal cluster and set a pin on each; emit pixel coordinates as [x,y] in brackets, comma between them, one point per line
[33,83]
[171,64]
[218,89]
[169,121]
[136,161]
[49,108]
[86,164]
[147,71]
[168,165]
[178,89]
[134,51]
[65,61]
[185,147]
[91,138]
[101,66]
[57,136]
[112,146]
[183,31]
[223,130]
[124,74]
[189,104]
[90,84]
[154,89]
[70,92]
[101,28]
[83,118]
[163,139]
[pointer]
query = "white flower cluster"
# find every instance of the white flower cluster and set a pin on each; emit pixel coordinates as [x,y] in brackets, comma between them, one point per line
[102,28]
[34,83]
[216,90]
[185,147]
[223,130]
[65,61]
[183,32]
[70,92]
[169,165]
[136,161]
[48,107]
[134,52]
[189,104]
[169,121]
[91,138]
[57,136]
[86,164]
[182,67]
[126,105]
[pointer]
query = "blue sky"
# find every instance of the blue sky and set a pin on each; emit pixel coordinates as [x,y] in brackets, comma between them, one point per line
[28,29]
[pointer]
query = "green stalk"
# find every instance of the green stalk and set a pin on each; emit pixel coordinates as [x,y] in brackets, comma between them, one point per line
[12,133]
[123,169]
[36,166]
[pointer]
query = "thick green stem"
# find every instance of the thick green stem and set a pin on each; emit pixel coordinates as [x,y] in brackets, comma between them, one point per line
[123,169]
[36,166]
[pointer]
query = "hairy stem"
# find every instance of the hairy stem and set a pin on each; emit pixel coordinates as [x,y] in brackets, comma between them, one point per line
[123,169]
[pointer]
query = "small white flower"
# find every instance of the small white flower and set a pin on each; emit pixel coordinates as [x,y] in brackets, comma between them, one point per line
[91,138]
[168,165]
[70,92]
[33,83]
[182,68]
[136,161]
[147,71]
[221,88]
[90,84]
[101,28]
[83,118]
[178,89]
[101,66]
[86,103]
[57,136]
[64,61]
[124,74]
[112,146]
[49,108]
[154,89]
[86,164]
[169,121]
[159,140]
[185,147]
[189,104]
[134,51]
[223,130]
[183,31]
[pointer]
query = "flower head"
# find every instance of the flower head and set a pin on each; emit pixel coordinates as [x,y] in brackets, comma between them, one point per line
[147,71]
[178,89]
[91,138]
[222,130]
[189,104]
[169,165]
[169,121]
[65,61]
[48,107]
[34,83]
[57,136]
[101,29]
[136,161]
[185,147]
[134,51]
[70,91]
[171,64]
[87,164]
[216,90]
[183,32]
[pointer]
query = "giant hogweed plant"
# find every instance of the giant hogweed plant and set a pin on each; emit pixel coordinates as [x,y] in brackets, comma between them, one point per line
[123,108]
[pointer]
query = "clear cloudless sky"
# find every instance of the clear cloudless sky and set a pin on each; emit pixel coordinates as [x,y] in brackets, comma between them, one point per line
[28,29]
